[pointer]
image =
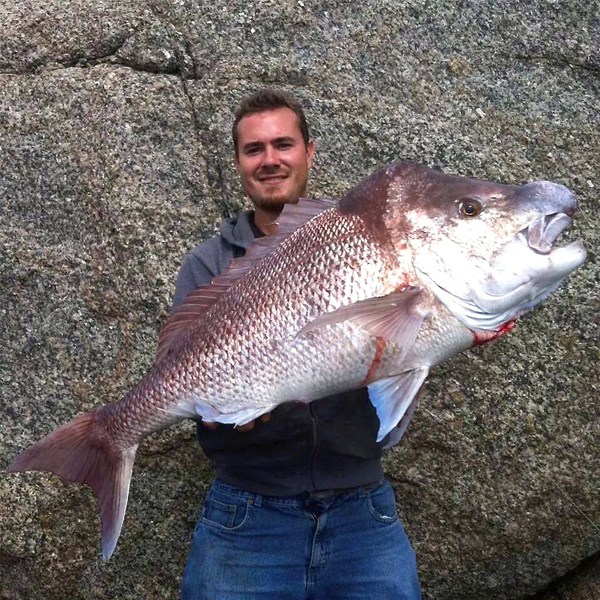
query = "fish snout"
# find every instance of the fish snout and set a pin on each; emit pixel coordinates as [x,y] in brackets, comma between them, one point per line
[555,206]
[549,198]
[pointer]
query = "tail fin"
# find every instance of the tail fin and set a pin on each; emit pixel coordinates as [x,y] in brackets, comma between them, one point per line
[82,451]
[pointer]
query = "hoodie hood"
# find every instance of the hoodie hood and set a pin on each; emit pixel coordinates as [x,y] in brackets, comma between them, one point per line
[240,230]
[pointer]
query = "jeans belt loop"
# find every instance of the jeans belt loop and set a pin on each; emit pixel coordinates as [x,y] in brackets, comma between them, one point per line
[256,500]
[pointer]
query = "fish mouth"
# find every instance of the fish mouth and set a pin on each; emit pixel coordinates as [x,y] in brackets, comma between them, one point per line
[542,233]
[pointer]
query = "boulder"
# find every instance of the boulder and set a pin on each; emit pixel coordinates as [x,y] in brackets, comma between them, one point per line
[115,159]
[583,583]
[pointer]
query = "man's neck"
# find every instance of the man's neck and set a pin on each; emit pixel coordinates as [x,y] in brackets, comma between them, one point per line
[265,220]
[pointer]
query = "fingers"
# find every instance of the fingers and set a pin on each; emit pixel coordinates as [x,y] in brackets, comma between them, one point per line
[246,426]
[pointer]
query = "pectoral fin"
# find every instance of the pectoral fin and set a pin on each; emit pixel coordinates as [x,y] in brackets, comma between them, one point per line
[396,317]
[392,398]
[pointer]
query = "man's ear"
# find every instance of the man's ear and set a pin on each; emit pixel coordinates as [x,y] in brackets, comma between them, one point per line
[236,161]
[310,152]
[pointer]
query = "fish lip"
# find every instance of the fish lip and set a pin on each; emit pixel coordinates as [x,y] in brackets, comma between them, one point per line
[545,230]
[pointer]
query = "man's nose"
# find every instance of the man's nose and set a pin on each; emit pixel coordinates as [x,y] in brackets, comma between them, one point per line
[271,157]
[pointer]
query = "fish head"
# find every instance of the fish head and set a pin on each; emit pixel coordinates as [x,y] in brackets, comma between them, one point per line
[487,251]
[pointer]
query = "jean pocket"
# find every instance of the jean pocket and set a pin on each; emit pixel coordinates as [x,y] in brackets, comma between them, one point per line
[382,504]
[225,515]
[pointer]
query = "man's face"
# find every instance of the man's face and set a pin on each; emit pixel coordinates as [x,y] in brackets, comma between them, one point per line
[272,158]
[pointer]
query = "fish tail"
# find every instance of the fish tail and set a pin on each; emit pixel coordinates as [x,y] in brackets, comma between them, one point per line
[82,451]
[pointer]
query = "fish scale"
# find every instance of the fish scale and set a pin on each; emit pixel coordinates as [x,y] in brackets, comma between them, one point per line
[408,268]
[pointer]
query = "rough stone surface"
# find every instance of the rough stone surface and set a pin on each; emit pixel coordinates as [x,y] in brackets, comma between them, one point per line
[115,157]
[583,583]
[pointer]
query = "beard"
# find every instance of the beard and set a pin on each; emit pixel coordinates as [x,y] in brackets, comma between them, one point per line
[274,198]
[274,202]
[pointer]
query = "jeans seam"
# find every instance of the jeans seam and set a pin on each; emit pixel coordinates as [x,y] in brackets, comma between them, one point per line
[242,496]
[219,527]
[385,519]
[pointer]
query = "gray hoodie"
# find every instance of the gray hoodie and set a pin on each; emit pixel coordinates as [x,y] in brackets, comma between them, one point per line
[209,258]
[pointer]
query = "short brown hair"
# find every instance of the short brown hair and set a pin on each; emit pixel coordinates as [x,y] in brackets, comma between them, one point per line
[269,99]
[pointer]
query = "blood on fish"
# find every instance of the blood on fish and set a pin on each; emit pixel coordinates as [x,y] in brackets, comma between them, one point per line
[403,284]
[481,337]
[379,348]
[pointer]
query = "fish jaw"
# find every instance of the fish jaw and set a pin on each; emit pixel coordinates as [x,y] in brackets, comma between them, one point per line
[521,277]
[517,280]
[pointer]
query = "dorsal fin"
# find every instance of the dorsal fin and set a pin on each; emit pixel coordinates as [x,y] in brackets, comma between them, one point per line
[198,301]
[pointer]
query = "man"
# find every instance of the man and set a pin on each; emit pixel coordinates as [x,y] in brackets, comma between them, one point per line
[299,508]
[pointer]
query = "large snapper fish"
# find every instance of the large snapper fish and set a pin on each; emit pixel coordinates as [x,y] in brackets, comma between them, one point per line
[407,269]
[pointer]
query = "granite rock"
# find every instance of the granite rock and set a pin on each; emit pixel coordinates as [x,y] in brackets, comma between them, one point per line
[115,158]
[583,583]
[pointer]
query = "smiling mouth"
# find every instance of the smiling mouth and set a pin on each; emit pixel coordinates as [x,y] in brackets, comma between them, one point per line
[272,178]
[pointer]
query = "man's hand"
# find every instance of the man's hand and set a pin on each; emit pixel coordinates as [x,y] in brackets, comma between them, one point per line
[247,427]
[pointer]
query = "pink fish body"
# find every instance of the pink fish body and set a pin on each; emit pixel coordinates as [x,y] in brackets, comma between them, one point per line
[406,270]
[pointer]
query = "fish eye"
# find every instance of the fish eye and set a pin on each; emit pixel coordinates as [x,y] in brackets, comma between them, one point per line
[469,207]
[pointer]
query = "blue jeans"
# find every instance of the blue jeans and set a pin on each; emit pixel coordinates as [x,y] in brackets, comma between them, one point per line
[342,547]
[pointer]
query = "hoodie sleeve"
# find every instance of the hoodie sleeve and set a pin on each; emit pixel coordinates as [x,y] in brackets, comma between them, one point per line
[192,273]
[201,265]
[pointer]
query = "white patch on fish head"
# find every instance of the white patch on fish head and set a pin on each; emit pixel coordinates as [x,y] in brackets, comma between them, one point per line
[485,250]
